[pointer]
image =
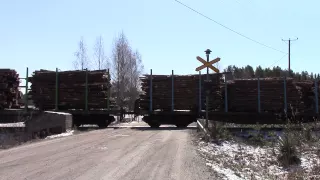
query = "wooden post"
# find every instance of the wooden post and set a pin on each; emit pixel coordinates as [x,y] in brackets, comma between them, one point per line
[316,95]
[26,92]
[225,95]
[172,92]
[57,90]
[86,92]
[108,92]
[150,105]
[200,100]
[259,100]
[285,94]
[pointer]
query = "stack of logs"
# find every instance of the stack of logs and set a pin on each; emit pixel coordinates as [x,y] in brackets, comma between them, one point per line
[9,89]
[243,95]
[307,88]
[186,92]
[71,89]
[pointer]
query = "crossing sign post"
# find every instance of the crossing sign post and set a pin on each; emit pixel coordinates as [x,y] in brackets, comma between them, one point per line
[207,64]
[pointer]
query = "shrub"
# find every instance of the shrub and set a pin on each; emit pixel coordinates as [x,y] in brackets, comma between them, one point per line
[218,132]
[288,151]
[288,146]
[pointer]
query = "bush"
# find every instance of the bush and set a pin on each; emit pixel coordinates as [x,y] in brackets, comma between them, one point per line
[257,137]
[218,132]
[288,146]
[288,151]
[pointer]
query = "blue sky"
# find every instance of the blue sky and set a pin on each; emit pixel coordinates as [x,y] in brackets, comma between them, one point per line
[44,34]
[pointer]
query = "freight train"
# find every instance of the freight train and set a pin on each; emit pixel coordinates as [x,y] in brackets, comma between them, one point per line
[175,99]
[180,100]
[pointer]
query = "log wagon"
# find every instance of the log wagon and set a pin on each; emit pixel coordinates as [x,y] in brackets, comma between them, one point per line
[180,100]
[84,94]
[177,99]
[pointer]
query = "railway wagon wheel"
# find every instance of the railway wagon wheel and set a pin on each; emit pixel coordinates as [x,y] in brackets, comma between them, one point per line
[154,125]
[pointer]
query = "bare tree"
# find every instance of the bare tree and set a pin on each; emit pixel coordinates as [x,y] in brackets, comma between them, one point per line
[218,66]
[101,60]
[82,61]
[135,69]
[127,67]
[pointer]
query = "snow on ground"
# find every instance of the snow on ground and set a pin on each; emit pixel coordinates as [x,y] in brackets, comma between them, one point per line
[68,133]
[138,118]
[234,160]
[61,113]
[130,123]
[19,124]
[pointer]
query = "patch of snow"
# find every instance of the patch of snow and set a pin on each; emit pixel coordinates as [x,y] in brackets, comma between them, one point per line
[89,125]
[308,160]
[235,160]
[61,113]
[121,135]
[103,148]
[130,116]
[129,123]
[68,133]
[19,124]
[229,174]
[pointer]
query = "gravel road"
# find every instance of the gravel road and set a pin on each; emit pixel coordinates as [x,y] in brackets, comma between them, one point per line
[126,153]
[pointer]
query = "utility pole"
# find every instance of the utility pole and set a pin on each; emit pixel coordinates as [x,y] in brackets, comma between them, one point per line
[208,51]
[289,63]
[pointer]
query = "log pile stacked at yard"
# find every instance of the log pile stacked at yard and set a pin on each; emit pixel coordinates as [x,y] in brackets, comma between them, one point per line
[71,89]
[186,92]
[243,95]
[9,88]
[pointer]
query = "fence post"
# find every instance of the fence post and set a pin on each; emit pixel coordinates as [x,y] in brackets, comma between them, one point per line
[26,91]
[57,89]
[259,101]
[285,93]
[200,98]
[172,91]
[86,95]
[108,91]
[316,95]
[150,105]
[225,95]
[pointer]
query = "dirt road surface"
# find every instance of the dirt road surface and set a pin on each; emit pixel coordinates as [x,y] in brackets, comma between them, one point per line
[126,152]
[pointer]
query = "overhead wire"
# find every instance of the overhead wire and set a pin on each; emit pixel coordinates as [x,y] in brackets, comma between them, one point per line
[278,60]
[240,34]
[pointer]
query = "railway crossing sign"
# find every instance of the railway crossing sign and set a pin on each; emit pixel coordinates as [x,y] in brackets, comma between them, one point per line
[207,64]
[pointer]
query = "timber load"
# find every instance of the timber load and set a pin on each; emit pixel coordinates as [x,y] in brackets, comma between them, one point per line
[243,95]
[9,89]
[186,89]
[307,88]
[70,89]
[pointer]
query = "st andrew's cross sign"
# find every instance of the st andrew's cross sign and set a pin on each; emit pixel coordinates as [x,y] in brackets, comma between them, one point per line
[207,64]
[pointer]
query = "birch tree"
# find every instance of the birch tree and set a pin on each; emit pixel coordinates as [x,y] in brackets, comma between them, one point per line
[127,67]
[135,68]
[82,60]
[101,61]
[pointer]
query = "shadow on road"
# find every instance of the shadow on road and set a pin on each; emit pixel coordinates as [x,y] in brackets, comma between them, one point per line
[160,128]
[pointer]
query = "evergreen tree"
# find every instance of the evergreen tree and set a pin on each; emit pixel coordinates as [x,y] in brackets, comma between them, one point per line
[259,72]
